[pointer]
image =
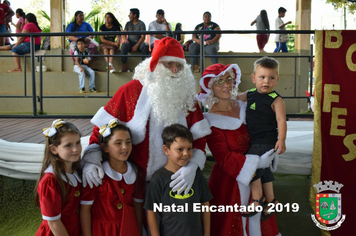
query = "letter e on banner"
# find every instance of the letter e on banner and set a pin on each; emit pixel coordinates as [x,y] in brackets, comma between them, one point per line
[336,121]
[330,35]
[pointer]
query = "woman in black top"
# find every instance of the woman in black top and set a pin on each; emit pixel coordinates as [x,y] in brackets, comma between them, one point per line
[108,44]
[178,36]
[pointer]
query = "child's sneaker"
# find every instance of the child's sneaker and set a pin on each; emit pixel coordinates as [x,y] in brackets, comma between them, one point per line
[82,90]
[93,90]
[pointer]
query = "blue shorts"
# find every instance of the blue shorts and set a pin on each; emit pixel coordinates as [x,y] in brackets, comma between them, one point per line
[24,48]
[2,29]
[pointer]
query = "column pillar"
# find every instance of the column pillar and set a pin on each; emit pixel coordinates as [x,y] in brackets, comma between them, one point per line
[57,25]
[302,22]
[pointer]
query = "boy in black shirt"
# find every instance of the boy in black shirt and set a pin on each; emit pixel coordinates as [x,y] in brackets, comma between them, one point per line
[267,127]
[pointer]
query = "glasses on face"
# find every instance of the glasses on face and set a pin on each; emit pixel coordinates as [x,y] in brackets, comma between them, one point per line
[173,64]
[221,82]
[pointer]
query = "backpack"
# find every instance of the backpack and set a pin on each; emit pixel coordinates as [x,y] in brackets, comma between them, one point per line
[187,44]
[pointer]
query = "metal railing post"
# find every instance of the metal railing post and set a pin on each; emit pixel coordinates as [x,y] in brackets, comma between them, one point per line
[41,86]
[107,76]
[34,102]
[311,70]
[202,66]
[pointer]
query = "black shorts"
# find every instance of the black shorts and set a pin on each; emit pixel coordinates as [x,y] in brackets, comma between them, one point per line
[266,174]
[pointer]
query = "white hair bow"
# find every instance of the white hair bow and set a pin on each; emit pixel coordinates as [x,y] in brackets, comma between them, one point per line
[50,131]
[106,129]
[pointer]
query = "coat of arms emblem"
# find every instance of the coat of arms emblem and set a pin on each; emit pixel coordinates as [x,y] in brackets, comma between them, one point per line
[328,205]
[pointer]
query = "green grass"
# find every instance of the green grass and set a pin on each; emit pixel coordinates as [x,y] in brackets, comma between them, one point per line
[18,215]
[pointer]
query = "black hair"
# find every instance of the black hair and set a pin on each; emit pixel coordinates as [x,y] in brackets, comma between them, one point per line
[76,26]
[105,140]
[178,27]
[266,62]
[115,22]
[207,12]
[82,39]
[170,133]
[20,12]
[160,12]
[30,17]
[135,11]
[281,9]
[264,19]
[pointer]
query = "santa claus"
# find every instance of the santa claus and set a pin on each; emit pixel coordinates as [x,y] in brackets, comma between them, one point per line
[161,93]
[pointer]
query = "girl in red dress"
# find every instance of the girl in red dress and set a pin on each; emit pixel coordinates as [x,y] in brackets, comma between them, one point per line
[58,186]
[102,207]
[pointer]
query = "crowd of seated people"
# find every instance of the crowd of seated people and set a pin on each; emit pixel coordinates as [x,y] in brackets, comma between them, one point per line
[123,44]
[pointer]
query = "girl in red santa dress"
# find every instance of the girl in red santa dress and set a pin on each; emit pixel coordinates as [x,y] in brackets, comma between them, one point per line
[114,207]
[59,184]
[228,141]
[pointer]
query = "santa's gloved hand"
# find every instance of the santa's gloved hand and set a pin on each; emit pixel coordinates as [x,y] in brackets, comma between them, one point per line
[266,159]
[183,179]
[91,164]
[92,175]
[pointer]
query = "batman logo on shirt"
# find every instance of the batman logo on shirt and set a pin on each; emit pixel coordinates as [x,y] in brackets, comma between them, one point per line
[182,195]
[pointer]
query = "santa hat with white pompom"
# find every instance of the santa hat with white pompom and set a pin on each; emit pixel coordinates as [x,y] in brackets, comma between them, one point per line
[166,49]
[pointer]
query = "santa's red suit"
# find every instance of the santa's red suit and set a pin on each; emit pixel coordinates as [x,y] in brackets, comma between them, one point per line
[132,106]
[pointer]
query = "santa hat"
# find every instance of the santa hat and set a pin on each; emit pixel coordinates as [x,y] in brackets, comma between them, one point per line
[166,49]
[214,71]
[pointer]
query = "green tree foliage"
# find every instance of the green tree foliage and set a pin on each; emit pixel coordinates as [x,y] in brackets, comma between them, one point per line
[113,6]
[291,43]
[350,4]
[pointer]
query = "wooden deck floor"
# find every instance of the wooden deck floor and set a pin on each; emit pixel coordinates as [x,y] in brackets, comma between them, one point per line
[30,130]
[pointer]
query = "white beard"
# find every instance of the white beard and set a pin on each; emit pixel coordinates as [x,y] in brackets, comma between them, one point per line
[170,93]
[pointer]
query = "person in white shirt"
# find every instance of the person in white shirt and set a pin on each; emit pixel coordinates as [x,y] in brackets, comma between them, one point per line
[281,45]
[160,24]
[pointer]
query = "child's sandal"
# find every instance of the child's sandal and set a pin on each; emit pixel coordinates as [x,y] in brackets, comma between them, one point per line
[260,202]
[266,214]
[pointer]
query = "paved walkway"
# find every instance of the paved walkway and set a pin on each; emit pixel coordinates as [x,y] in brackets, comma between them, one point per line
[30,130]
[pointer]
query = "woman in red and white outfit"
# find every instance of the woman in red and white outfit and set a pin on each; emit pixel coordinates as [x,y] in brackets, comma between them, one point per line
[231,175]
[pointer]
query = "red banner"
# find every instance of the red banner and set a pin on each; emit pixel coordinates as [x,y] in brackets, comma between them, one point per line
[334,150]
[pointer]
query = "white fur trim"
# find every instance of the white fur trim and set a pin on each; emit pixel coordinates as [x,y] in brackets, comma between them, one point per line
[138,200]
[51,218]
[87,202]
[170,58]
[129,176]
[248,169]
[156,158]
[73,178]
[91,147]
[227,122]
[199,158]
[138,122]
[200,129]
[274,162]
[101,118]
